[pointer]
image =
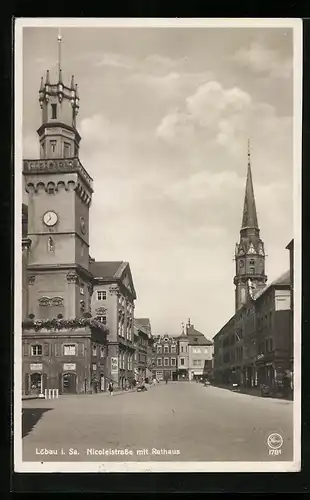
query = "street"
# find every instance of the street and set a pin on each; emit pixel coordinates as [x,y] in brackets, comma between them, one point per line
[180,421]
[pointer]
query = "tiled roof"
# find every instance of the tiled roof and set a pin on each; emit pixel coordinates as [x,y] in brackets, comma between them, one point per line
[283,280]
[194,334]
[143,322]
[199,340]
[107,270]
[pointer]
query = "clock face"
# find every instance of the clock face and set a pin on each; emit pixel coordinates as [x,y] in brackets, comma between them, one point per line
[83,225]
[50,218]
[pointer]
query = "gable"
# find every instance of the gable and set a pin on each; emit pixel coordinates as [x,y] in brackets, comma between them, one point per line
[126,280]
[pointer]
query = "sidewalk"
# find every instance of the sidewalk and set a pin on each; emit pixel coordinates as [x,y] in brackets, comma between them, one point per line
[116,392]
[253,391]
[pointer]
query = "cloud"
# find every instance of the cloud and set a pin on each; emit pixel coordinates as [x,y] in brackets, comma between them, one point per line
[221,120]
[263,60]
[116,61]
[172,85]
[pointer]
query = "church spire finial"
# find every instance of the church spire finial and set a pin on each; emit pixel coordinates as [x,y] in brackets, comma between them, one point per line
[249,153]
[249,219]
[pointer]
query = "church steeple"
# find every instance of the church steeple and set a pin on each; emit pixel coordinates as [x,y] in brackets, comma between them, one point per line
[249,253]
[249,219]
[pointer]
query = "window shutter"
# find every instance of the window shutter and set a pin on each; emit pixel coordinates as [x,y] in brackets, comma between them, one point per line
[26,349]
[80,349]
[46,349]
[57,349]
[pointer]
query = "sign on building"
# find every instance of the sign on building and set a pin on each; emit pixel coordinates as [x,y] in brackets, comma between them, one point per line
[114,365]
[69,366]
[36,366]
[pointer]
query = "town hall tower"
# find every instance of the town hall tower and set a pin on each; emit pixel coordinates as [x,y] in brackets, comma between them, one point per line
[59,196]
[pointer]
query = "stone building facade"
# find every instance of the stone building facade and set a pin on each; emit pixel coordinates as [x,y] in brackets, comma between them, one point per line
[165,357]
[112,304]
[255,346]
[144,348]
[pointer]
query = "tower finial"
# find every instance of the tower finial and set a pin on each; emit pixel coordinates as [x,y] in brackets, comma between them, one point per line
[249,152]
[182,325]
[42,84]
[47,81]
[59,54]
[72,83]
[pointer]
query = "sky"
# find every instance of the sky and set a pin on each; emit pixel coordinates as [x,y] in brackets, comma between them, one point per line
[165,116]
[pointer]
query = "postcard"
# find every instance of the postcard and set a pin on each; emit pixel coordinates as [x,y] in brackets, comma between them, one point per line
[157,245]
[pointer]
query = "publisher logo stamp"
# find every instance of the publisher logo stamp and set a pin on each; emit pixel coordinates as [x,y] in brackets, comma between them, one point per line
[275,442]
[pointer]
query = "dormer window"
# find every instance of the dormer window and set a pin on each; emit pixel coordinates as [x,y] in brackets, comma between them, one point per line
[54,111]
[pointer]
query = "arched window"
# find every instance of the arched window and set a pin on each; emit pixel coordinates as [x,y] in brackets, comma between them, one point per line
[252,270]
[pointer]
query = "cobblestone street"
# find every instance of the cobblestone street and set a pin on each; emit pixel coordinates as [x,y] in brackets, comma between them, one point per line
[204,424]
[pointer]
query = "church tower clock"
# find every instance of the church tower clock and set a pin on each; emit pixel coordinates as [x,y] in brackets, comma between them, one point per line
[249,253]
[59,196]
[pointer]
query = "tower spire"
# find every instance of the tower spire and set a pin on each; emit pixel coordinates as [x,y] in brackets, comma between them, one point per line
[59,38]
[249,219]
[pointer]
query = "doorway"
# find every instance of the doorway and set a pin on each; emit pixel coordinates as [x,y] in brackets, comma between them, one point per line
[36,383]
[69,383]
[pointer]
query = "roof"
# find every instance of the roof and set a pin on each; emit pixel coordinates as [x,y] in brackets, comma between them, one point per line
[200,340]
[144,322]
[283,280]
[249,218]
[106,269]
[195,337]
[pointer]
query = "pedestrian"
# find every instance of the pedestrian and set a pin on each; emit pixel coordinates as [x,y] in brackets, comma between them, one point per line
[111,388]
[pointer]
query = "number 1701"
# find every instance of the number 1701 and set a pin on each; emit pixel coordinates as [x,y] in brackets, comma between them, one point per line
[274,452]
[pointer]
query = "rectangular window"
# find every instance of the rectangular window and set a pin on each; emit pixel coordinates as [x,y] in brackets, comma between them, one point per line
[53,146]
[101,295]
[69,350]
[82,289]
[159,375]
[182,348]
[94,367]
[94,350]
[166,349]
[159,362]
[66,150]
[173,348]
[173,361]
[101,352]
[166,361]
[54,111]
[102,319]
[159,349]
[36,350]
[182,361]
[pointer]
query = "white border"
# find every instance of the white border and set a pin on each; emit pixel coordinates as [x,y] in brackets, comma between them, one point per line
[294,466]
